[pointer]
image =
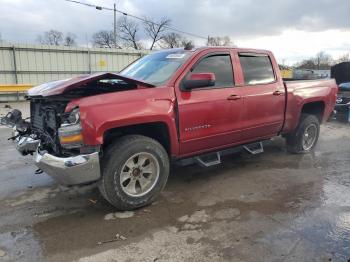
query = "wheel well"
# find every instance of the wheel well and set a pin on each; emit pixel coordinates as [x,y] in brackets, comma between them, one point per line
[314,108]
[158,131]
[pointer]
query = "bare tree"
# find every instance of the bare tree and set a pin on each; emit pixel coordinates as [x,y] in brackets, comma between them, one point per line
[323,60]
[69,39]
[175,40]
[219,41]
[52,37]
[172,40]
[187,44]
[306,64]
[104,38]
[155,30]
[129,32]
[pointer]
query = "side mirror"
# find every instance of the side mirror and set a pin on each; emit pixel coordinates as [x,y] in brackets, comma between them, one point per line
[198,80]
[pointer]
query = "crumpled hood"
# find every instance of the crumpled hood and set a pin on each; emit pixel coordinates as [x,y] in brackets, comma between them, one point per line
[61,86]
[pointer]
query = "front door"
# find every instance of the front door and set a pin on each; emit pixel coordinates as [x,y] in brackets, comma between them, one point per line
[209,117]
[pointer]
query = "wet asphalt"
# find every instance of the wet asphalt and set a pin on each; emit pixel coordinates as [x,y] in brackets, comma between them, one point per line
[273,206]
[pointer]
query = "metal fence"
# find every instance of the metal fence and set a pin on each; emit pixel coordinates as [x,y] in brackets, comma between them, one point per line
[36,64]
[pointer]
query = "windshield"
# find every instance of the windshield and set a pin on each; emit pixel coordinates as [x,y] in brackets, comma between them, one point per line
[158,67]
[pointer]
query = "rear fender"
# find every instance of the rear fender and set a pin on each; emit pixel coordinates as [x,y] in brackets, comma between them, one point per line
[301,93]
[302,107]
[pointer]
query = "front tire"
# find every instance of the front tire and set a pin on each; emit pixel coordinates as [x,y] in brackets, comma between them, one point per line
[305,137]
[135,169]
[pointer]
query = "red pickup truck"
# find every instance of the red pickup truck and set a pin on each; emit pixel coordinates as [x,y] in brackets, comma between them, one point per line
[123,130]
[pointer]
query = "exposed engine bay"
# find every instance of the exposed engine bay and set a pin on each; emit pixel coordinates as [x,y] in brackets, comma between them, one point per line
[45,118]
[48,121]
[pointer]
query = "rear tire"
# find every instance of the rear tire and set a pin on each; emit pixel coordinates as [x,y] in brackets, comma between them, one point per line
[135,169]
[305,137]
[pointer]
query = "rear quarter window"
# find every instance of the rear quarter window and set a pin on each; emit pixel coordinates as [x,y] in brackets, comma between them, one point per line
[257,69]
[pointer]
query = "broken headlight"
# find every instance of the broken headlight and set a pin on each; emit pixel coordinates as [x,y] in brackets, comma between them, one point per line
[70,131]
[71,118]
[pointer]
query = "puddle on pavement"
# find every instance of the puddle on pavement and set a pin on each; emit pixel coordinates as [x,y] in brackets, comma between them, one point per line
[328,227]
[85,228]
[21,246]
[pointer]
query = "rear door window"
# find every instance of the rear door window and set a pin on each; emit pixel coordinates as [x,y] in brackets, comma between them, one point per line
[257,69]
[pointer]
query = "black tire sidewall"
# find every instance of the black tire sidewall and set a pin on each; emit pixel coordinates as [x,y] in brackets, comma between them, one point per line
[117,156]
[295,140]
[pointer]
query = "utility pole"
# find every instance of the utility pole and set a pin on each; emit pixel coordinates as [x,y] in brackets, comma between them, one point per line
[115,25]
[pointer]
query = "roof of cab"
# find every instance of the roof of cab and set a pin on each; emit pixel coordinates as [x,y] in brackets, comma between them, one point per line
[203,48]
[240,49]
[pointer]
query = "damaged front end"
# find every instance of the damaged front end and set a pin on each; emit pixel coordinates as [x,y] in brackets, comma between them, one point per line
[55,136]
[46,118]
[42,127]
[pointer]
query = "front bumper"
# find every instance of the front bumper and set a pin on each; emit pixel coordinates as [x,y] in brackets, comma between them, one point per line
[81,169]
[75,170]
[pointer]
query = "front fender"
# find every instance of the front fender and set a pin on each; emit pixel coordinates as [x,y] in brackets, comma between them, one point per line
[108,111]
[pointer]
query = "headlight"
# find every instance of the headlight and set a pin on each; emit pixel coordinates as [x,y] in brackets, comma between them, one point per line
[70,131]
[72,118]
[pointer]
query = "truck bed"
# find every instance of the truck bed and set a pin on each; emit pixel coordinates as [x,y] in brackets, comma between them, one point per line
[307,83]
[300,92]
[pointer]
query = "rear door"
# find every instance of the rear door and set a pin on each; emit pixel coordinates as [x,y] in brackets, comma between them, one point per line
[209,117]
[264,97]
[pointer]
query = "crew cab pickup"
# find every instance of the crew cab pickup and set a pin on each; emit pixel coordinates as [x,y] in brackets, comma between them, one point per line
[123,130]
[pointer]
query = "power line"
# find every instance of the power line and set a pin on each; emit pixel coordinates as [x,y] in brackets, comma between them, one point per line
[136,17]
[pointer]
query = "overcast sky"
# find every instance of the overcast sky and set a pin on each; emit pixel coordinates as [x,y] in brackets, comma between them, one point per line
[293,29]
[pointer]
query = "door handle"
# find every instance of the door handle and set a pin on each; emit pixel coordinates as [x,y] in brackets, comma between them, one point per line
[278,93]
[234,97]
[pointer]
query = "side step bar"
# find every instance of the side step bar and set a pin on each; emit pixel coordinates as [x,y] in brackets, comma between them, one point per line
[208,160]
[254,148]
[214,158]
